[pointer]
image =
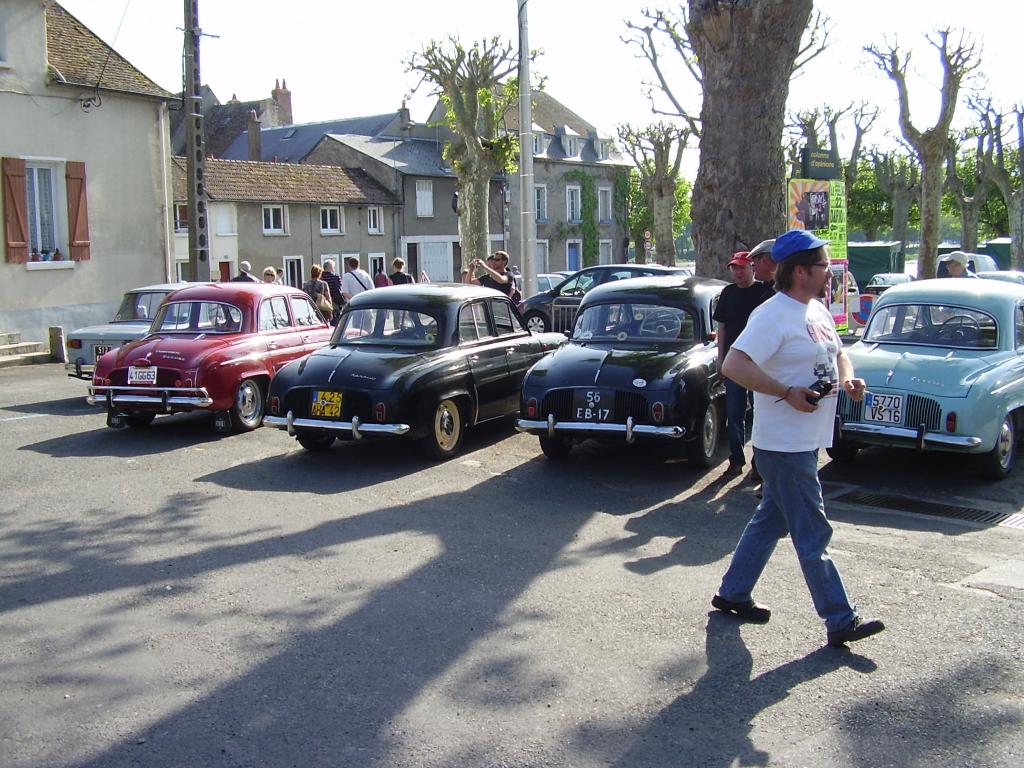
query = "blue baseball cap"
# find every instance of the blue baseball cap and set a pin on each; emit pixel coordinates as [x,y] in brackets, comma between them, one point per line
[794,241]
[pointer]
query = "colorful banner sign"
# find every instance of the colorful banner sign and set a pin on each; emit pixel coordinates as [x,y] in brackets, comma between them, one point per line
[819,205]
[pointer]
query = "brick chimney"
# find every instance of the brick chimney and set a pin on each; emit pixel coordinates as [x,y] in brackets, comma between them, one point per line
[405,120]
[255,139]
[283,99]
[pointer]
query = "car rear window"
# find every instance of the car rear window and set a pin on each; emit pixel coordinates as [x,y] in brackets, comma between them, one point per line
[625,322]
[932,325]
[383,325]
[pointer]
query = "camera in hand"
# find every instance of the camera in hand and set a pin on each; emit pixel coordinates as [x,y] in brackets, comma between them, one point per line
[822,388]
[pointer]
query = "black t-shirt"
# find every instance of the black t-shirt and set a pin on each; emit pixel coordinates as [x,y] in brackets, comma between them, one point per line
[333,285]
[489,282]
[735,305]
[400,278]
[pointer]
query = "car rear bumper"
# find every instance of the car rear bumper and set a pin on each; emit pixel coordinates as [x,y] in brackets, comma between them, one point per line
[629,430]
[903,437]
[164,399]
[356,426]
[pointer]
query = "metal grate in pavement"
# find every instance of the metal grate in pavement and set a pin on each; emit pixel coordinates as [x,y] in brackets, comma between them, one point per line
[934,509]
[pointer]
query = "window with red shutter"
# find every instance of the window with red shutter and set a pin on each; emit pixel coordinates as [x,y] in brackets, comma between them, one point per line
[78,212]
[15,213]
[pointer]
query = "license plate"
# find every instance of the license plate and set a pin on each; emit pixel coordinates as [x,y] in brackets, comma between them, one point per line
[887,409]
[593,404]
[101,349]
[141,375]
[325,405]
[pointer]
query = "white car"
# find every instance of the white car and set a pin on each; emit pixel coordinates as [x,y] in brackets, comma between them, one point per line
[131,321]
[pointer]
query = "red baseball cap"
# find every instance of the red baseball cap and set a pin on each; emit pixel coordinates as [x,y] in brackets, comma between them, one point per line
[742,258]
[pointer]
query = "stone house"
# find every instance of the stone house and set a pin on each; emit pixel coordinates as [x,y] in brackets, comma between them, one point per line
[85,217]
[287,216]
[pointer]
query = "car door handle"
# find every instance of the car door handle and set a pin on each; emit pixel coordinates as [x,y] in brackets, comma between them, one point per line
[474,358]
[272,344]
[305,339]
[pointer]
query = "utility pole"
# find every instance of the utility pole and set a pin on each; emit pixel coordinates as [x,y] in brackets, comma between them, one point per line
[192,103]
[527,198]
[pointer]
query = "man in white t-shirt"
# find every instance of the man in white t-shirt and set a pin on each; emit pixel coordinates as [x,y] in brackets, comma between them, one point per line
[791,357]
[355,280]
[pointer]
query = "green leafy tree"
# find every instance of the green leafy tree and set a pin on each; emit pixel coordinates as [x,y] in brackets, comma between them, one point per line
[868,207]
[474,86]
[641,218]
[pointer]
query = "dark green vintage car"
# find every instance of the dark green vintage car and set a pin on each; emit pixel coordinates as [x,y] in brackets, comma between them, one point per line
[424,362]
[641,364]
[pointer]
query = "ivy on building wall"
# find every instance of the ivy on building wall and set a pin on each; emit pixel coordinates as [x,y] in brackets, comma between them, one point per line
[586,229]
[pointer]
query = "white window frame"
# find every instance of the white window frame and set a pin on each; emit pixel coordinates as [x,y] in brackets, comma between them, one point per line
[569,242]
[600,149]
[541,256]
[572,146]
[604,193]
[600,252]
[538,143]
[301,262]
[272,230]
[568,204]
[424,198]
[540,201]
[375,227]
[339,213]
[58,205]
[336,258]
[180,227]
[225,220]
[377,260]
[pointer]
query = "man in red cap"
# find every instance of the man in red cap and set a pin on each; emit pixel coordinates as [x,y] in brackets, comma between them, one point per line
[735,304]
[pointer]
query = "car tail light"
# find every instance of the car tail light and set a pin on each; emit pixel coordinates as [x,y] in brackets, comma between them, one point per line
[531,407]
[275,405]
[658,412]
[951,421]
[378,412]
[74,343]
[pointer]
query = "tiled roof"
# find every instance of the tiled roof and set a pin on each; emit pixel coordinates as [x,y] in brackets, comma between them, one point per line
[255,182]
[78,57]
[549,113]
[226,122]
[417,157]
[291,143]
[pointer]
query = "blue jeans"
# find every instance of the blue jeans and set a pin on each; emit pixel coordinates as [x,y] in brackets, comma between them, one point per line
[792,504]
[736,416]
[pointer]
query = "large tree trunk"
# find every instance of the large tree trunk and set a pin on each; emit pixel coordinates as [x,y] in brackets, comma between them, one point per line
[933,168]
[1015,213]
[473,223]
[969,214]
[739,196]
[901,199]
[663,203]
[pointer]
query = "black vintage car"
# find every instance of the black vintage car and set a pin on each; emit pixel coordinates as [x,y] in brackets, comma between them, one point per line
[641,364]
[421,361]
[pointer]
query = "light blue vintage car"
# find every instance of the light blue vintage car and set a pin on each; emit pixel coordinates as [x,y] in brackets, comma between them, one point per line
[131,321]
[944,365]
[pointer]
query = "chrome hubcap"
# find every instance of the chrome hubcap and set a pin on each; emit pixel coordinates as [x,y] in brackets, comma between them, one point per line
[1005,443]
[446,425]
[248,401]
[535,324]
[710,428]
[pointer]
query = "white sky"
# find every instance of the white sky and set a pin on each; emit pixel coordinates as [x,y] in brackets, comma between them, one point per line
[345,58]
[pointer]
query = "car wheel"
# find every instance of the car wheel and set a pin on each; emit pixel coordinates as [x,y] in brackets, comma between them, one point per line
[842,450]
[247,412]
[704,446]
[446,430]
[555,447]
[996,464]
[139,419]
[315,441]
[537,323]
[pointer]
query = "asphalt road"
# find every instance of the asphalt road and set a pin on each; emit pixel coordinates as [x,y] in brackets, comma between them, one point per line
[170,597]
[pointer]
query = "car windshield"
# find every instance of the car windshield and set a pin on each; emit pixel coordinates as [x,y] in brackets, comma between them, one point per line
[635,322]
[137,306]
[197,317]
[932,325]
[385,325]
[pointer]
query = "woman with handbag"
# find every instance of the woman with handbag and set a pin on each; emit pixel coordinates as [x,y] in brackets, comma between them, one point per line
[318,291]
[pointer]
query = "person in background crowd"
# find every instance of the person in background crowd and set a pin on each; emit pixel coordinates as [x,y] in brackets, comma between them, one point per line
[334,284]
[496,275]
[269,275]
[735,304]
[792,421]
[244,275]
[764,267]
[380,280]
[280,276]
[316,286]
[956,264]
[355,280]
[399,277]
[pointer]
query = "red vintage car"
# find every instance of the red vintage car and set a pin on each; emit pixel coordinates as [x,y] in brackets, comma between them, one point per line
[211,347]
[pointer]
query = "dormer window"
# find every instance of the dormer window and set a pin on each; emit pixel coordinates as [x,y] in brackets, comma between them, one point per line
[601,149]
[572,146]
[538,144]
